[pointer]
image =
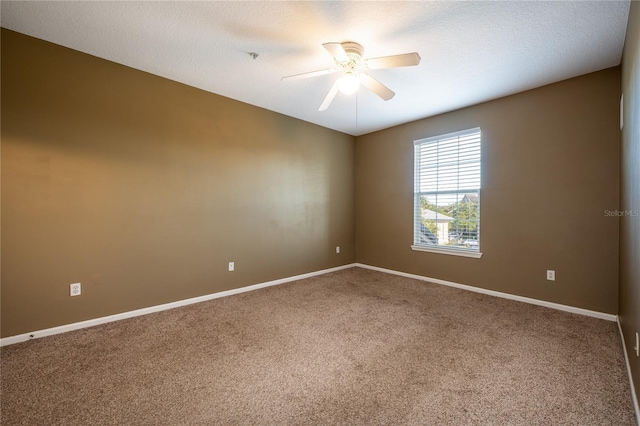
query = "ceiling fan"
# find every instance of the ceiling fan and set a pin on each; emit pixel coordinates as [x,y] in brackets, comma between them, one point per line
[348,58]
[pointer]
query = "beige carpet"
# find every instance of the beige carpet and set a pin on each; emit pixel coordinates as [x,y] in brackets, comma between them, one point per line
[355,347]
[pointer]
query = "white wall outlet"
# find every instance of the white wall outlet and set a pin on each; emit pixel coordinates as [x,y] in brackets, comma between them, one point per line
[337,249]
[551,275]
[637,348]
[75,289]
[232,266]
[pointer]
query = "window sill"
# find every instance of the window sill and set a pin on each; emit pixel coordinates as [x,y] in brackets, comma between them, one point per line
[454,252]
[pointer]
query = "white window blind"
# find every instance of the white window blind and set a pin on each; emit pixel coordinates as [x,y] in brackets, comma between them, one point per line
[447,192]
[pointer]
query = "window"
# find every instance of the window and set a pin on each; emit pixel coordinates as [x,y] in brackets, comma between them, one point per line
[447,194]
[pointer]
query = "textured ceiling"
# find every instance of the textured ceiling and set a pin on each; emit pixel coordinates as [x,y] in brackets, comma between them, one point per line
[471,51]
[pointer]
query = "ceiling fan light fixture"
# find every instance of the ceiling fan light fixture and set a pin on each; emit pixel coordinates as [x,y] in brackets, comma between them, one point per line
[349,83]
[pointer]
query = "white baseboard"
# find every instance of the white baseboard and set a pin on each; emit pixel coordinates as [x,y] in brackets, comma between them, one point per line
[558,306]
[124,315]
[144,311]
[634,397]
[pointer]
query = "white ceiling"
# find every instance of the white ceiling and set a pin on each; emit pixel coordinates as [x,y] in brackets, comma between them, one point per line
[471,51]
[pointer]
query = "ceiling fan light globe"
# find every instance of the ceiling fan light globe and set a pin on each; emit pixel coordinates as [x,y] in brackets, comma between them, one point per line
[349,83]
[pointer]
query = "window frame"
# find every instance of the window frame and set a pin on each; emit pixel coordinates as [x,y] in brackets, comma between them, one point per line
[417,207]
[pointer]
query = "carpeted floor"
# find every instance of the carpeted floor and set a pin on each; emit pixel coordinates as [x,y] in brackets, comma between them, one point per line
[355,347]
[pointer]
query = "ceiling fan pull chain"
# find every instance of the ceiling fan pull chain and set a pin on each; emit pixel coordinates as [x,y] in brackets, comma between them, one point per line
[356,109]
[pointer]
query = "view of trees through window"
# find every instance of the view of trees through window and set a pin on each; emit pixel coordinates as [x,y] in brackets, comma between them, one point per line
[451,220]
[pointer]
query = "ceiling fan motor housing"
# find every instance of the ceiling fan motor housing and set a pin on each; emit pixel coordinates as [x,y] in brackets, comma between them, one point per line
[354,50]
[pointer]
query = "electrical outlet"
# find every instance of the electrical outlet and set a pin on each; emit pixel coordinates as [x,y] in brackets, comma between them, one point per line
[637,348]
[551,275]
[232,266]
[338,249]
[74,289]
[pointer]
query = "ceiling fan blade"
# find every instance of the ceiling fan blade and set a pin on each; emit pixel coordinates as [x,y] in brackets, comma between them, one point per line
[309,74]
[404,60]
[337,51]
[376,87]
[332,94]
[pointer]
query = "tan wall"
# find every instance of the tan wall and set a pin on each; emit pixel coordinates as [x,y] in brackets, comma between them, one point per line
[143,189]
[630,193]
[550,169]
